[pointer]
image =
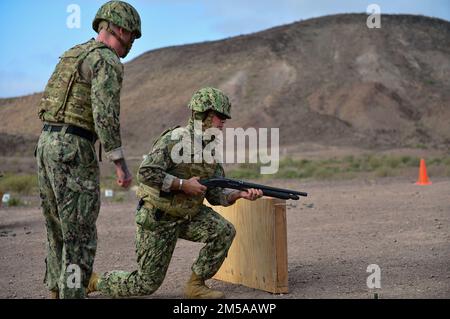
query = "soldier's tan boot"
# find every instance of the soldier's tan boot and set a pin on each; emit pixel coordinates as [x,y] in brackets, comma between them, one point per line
[196,289]
[54,294]
[93,281]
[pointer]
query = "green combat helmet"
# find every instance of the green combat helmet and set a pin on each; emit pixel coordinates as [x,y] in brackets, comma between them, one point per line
[121,14]
[210,98]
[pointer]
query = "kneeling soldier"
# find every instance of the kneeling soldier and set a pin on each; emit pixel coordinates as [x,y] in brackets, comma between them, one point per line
[180,213]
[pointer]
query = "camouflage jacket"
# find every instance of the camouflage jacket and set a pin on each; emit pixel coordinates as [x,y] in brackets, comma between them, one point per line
[84,90]
[158,170]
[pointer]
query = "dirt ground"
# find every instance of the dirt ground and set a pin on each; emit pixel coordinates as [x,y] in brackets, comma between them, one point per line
[333,235]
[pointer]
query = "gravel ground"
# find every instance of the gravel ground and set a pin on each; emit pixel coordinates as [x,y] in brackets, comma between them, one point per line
[333,235]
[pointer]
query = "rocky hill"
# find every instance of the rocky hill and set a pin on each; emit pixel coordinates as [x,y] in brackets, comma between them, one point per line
[329,80]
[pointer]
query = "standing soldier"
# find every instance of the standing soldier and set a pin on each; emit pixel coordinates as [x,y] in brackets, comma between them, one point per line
[81,103]
[171,207]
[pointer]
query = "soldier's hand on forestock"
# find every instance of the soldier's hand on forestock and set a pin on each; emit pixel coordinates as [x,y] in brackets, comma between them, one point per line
[192,187]
[251,194]
[124,177]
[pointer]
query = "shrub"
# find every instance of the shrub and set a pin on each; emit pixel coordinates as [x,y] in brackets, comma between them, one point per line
[20,184]
[383,171]
[14,202]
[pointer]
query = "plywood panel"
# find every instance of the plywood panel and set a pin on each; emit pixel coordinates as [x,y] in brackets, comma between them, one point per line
[258,256]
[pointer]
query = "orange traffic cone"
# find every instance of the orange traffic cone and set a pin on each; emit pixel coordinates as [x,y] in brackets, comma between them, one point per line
[423,177]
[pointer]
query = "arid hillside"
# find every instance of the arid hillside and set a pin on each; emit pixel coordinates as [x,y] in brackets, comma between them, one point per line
[329,80]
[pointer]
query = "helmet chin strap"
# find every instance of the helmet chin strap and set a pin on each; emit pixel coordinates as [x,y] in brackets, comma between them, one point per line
[126,46]
[204,117]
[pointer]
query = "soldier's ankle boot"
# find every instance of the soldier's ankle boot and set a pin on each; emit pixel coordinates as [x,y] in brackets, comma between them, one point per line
[93,281]
[54,294]
[196,289]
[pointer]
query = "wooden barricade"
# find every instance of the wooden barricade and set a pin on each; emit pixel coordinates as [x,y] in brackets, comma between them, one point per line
[258,256]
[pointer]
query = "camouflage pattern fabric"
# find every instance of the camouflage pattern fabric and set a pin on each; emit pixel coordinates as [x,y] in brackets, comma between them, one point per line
[68,177]
[209,98]
[156,237]
[121,14]
[157,231]
[158,163]
[84,90]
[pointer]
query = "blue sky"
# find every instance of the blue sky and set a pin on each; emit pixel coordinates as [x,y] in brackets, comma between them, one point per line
[35,33]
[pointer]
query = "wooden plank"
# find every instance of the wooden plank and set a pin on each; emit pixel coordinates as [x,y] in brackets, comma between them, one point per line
[258,256]
[281,246]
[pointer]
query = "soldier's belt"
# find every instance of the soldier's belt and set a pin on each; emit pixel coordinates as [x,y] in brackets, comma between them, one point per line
[178,205]
[71,129]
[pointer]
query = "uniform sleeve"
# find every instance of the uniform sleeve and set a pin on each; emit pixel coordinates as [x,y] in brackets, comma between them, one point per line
[105,95]
[218,195]
[152,171]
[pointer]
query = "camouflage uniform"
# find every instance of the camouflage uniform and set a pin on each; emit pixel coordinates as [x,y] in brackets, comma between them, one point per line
[83,91]
[157,231]
[81,103]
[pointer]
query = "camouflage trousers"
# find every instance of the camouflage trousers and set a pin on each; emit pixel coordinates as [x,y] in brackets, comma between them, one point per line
[156,237]
[68,177]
